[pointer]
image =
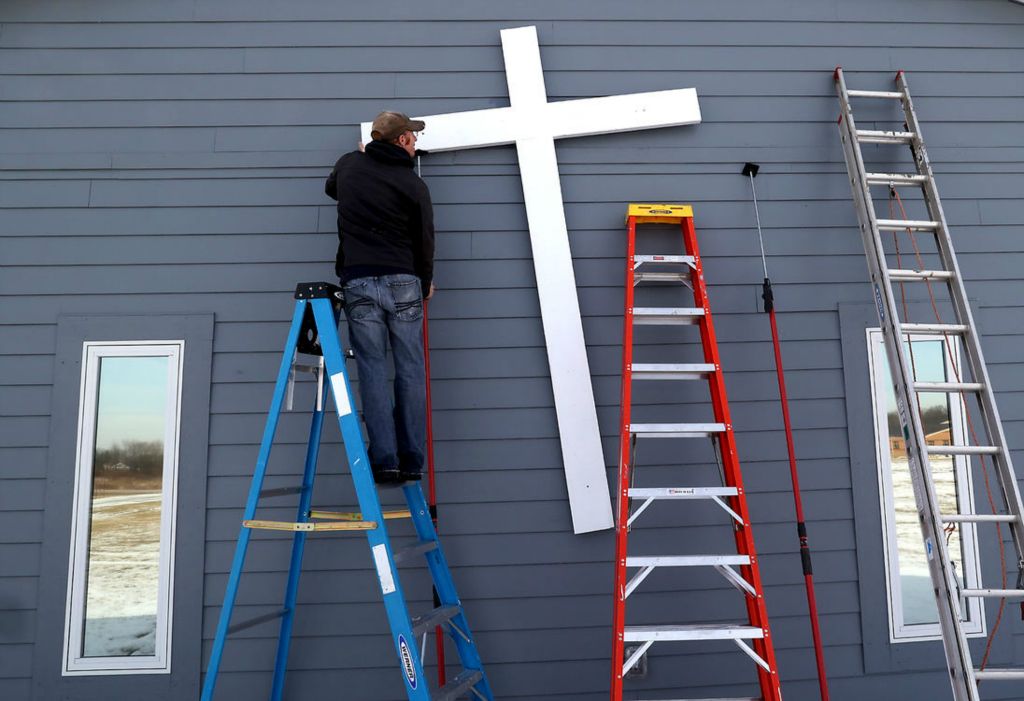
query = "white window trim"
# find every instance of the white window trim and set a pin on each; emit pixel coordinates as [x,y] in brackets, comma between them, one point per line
[160,662]
[900,632]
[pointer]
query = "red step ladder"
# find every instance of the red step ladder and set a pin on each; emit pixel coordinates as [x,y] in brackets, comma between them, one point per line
[740,568]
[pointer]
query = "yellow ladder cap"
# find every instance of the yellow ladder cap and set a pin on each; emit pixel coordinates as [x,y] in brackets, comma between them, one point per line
[659,213]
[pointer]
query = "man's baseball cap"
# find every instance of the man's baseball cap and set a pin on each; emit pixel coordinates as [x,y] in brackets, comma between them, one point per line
[390,125]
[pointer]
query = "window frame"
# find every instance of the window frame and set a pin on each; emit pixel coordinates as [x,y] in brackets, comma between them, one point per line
[74,664]
[900,632]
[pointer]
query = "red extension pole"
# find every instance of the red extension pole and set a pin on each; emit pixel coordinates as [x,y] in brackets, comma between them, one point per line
[750,170]
[432,489]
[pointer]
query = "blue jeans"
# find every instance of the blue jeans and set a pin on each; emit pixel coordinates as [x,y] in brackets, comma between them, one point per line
[379,309]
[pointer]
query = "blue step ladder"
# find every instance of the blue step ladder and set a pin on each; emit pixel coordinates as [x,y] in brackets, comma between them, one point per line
[314,332]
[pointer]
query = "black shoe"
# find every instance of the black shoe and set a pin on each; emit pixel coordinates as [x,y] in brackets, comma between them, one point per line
[410,475]
[387,476]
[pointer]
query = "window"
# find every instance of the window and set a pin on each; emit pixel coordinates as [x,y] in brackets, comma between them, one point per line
[912,611]
[122,540]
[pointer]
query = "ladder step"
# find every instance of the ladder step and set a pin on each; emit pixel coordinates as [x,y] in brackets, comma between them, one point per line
[919,275]
[434,618]
[679,260]
[681,492]
[887,94]
[666,315]
[256,620]
[904,224]
[279,491]
[671,371]
[999,674]
[686,560]
[675,430]
[963,450]
[718,698]
[457,687]
[357,516]
[994,593]
[257,524]
[639,278]
[463,682]
[934,329]
[896,179]
[978,518]
[700,631]
[412,551]
[867,136]
[948,386]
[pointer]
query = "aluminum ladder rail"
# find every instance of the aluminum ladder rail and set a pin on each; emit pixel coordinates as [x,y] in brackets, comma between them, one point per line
[314,332]
[740,569]
[964,677]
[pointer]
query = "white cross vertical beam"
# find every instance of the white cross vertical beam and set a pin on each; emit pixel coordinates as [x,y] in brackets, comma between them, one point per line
[532,123]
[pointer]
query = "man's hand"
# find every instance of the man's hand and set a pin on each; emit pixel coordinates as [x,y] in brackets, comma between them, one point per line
[430,292]
[361,146]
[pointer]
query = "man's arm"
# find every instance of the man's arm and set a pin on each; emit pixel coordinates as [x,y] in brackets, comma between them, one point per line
[331,186]
[425,236]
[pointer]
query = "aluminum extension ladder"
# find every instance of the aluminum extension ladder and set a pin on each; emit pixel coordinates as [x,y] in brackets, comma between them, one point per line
[314,334]
[949,594]
[685,270]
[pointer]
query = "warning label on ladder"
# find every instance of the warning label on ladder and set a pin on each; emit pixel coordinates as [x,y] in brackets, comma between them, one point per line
[380,559]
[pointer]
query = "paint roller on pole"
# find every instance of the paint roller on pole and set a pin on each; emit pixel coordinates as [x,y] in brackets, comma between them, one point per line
[750,171]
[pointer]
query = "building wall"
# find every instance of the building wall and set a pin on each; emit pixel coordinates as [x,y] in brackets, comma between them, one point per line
[167,159]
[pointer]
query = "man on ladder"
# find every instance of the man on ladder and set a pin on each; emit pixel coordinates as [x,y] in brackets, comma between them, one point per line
[385,263]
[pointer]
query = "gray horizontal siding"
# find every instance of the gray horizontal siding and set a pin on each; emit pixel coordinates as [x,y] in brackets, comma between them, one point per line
[169,157]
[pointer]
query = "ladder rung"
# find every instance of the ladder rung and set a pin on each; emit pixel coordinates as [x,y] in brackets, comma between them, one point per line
[719,698]
[419,549]
[700,631]
[681,492]
[675,430]
[978,518]
[279,491]
[948,386]
[887,94]
[261,525]
[904,224]
[356,515]
[999,674]
[686,560]
[661,260]
[994,593]
[661,277]
[934,329]
[666,315]
[963,450]
[895,179]
[868,136]
[919,275]
[433,618]
[671,371]
[256,620]
[463,682]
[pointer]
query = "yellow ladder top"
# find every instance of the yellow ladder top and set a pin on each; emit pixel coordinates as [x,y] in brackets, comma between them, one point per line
[659,213]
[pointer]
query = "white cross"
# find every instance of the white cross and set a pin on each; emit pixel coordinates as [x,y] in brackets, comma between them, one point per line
[532,124]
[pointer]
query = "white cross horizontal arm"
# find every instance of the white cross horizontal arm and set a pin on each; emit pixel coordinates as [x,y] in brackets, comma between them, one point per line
[607,115]
[462,130]
[501,126]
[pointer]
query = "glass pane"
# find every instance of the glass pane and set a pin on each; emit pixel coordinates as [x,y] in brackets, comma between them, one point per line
[930,365]
[124,540]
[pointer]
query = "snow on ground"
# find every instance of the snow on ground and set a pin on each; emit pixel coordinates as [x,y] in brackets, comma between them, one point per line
[124,567]
[915,581]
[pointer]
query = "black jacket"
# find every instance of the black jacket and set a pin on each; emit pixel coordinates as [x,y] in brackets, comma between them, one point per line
[385,219]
